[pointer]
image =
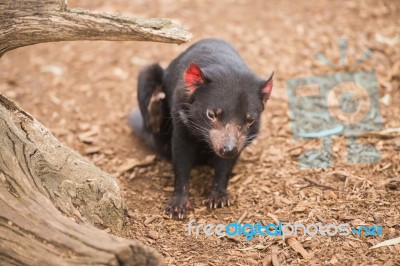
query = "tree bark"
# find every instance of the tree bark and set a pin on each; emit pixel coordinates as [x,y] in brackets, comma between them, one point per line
[41,181]
[27,22]
[80,190]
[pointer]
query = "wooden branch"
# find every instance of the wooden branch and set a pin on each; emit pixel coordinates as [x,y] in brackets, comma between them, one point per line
[40,180]
[27,22]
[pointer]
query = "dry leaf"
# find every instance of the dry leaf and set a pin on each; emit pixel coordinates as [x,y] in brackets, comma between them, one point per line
[168,189]
[334,260]
[386,243]
[329,194]
[153,234]
[275,260]
[293,243]
[149,220]
[248,180]
[235,178]
[91,150]
[299,209]
[132,163]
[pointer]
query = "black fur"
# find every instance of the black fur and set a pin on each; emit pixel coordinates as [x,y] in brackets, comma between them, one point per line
[229,85]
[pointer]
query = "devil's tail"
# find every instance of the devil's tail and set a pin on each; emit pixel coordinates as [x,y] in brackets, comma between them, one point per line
[151,122]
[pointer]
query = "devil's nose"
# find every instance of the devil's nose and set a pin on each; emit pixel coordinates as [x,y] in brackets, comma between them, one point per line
[229,152]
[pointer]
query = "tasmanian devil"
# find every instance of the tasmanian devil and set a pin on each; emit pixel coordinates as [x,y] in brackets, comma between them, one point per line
[204,108]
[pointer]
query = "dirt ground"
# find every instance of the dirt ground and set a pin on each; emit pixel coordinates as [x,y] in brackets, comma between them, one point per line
[83,91]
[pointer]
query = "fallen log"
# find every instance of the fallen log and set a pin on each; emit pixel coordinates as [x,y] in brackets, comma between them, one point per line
[45,189]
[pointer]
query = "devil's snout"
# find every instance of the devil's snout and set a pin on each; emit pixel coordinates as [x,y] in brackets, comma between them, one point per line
[229,148]
[227,141]
[229,152]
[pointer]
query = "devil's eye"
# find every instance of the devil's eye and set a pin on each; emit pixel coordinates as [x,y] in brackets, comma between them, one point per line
[211,115]
[250,121]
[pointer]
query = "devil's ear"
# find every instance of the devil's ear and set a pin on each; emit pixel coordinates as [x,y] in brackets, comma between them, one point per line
[192,77]
[266,89]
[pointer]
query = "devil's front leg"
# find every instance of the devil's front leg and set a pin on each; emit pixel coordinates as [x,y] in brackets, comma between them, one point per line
[183,157]
[219,196]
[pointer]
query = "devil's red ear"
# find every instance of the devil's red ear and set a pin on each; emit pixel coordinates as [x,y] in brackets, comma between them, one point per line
[193,75]
[267,88]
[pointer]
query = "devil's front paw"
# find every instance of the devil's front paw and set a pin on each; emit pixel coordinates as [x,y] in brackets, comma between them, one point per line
[178,206]
[218,199]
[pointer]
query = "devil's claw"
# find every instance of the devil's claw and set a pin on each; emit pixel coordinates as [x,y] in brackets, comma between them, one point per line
[178,207]
[218,199]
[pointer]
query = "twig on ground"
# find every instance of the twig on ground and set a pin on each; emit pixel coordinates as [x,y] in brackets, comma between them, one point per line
[244,215]
[315,183]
